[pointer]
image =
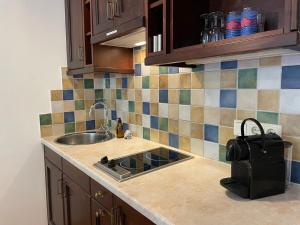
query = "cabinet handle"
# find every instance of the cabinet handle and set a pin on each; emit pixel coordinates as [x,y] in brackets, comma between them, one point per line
[99,214]
[99,194]
[59,187]
[109,10]
[118,8]
[66,203]
[80,53]
[119,217]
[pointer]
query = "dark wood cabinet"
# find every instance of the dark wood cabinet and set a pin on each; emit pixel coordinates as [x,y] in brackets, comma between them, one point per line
[54,192]
[129,10]
[102,16]
[99,215]
[75,38]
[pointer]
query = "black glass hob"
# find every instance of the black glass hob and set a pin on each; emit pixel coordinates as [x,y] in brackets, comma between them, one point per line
[134,165]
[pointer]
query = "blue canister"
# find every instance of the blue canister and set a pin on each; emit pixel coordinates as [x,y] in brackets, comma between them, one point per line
[233,25]
[249,22]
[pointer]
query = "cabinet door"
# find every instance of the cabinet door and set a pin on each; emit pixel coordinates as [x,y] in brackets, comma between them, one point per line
[127,10]
[74,31]
[99,215]
[102,16]
[54,194]
[76,204]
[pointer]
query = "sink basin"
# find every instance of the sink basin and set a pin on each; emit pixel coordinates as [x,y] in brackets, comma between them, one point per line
[85,138]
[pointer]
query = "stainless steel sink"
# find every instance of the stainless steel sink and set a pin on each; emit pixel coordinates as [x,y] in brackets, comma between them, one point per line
[85,138]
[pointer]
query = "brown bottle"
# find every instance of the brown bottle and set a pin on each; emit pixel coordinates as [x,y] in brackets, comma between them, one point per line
[120,129]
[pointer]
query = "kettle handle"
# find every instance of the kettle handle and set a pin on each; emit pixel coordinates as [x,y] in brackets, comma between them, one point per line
[256,122]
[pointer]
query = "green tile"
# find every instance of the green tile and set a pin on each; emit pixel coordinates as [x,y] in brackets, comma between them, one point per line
[88,83]
[98,94]
[45,119]
[248,78]
[267,117]
[163,124]
[118,94]
[198,68]
[146,133]
[222,154]
[131,106]
[163,70]
[79,105]
[107,83]
[185,97]
[69,128]
[146,82]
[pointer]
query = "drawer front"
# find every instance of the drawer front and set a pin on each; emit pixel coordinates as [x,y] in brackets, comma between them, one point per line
[102,195]
[54,158]
[76,176]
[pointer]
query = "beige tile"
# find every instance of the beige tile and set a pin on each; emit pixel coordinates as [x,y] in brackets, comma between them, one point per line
[197,131]
[226,133]
[118,83]
[185,81]
[89,94]
[154,96]
[57,106]
[69,106]
[173,96]
[139,107]
[197,97]
[154,135]
[290,124]
[137,82]
[131,118]
[185,144]
[88,104]
[212,79]
[228,78]
[296,146]
[130,82]
[80,127]
[270,61]
[137,57]
[173,111]
[154,82]
[113,104]
[174,82]
[56,95]
[78,94]
[57,118]
[227,117]
[184,128]
[80,115]
[124,94]
[212,115]
[46,131]
[163,82]
[78,84]
[154,70]
[244,114]
[154,109]
[64,71]
[173,126]
[58,129]
[138,95]
[197,146]
[131,95]
[197,114]
[268,100]
[247,99]
[197,80]
[163,138]
[67,83]
[88,76]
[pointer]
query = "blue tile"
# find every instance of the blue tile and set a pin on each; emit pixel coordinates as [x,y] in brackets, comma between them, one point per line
[174,140]
[125,126]
[124,82]
[296,172]
[211,133]
[90,125]
[228,98]
[69,117]
[173,70]
[163,96]
[68,95]
[146,108]
[154,122]
[138,69]
[290,77]
[113,115]
[106,75]
[229,65]
[78,76]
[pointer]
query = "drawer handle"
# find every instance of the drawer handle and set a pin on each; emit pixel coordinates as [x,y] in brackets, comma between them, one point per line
[99,194]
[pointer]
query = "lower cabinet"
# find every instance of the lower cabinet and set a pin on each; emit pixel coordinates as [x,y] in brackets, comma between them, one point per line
[99,215]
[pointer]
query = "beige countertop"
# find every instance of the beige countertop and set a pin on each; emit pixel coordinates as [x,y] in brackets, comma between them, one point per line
[187,193]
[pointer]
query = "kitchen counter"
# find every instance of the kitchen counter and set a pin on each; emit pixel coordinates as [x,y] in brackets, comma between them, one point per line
[187,193]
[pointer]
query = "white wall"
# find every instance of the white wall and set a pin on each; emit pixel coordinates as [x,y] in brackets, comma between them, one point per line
[32,51]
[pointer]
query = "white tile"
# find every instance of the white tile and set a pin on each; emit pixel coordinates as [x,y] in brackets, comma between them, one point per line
[124,116]
[99,83]
[290,60]
[57,106]
[145,70]
[248,63]
[211,150]
[139,131]
[107,93]
[197,146]
[113,83]
[212,66]
[163,110]
[122,105]
[185,70]
[146,121]
[212,97]
[290,101]
[269,77]
[131,94]
[212,79]
[197,97]
[247,99]
[146,95]
[184,112]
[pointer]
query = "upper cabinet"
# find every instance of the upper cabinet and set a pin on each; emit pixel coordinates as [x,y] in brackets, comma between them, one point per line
[181,26]
[102,16]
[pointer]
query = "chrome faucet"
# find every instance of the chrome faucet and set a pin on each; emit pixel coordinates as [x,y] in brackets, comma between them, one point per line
[105,126]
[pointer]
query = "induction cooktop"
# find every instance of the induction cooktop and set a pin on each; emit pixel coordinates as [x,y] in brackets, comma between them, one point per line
[134,165]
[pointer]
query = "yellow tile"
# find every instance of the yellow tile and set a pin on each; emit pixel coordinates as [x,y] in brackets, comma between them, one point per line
[154,109]
[173,96]
[138,119]
[173,82]
[163,138]
[69,106]
[56,95]
[88,104]
[138,95]
[58,129]
[143,54]
[78,83]
[131,118]
[226,133]
[80,115]
[184,128]
[80,127]
[163,81]
[197,114]
[78,94]
[268,100]
[154,70]
[212,115]
[244,114]
[57,118]
[227,117]
[137,57]
[112,104]
[173,126]
[89,94]
[185,80]
[198,80]
[154,96]
[154,82]
[197,130]
[228,78]
[46,131]
[173,111]
[139,107]
[185,144]
[118,83]
[124,94]
[137,82]
[131,82]
[290,125]
[131,94]
[296,146]
[270,61]
[67,83]
[154,135]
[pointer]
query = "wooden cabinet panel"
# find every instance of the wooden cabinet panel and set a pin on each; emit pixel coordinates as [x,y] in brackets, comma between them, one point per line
[53,157]
[102,16]
[102,195]
[75,39]
[76,204]
[99,215]
[54,194]
[128,10]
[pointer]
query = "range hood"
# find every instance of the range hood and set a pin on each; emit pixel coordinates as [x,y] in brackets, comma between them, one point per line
[134,39]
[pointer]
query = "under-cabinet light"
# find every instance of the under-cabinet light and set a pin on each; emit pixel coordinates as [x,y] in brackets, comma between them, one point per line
[140,43]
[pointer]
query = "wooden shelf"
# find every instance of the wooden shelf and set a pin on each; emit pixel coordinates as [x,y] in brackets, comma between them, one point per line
[156,4]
